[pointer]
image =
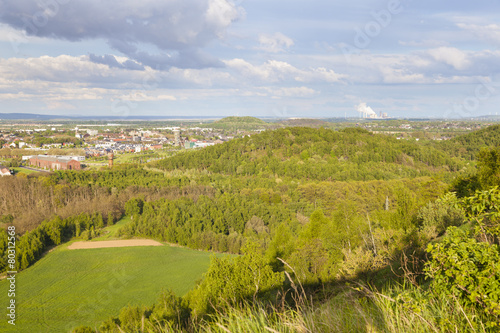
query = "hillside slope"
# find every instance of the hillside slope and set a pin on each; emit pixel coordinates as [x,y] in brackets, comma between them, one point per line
[468,145]
[239,123]
[321,154]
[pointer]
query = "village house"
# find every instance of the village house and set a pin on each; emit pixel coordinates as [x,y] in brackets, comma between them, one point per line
[4,171]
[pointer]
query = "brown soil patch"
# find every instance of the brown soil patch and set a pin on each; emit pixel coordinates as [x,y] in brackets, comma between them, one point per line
[113,243]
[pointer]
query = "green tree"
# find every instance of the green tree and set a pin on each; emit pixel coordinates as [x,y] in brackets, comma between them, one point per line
[110,220]
[441,214]
[230,280]
[488,162]
[134,207]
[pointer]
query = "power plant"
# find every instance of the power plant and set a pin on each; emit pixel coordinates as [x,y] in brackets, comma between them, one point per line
[368,113]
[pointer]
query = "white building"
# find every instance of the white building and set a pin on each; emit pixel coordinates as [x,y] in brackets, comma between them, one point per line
[4,171]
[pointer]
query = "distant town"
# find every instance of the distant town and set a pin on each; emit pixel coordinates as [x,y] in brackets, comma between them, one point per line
[44,146]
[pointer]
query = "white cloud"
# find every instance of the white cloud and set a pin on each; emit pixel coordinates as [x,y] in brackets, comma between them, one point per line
[320,74]
[451,56]
[489,33]
[140,96]
[65,68]
[221,14]
[421,67]
[274,71]
[207,77]
[292,92]
[424,43]
[275,43]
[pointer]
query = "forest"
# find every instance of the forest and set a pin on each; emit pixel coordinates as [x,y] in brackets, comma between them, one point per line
[333,230]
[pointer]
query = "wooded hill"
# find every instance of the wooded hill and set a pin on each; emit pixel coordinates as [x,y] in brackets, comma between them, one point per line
[468,145]
[239,123]
[304,122]
[319,154]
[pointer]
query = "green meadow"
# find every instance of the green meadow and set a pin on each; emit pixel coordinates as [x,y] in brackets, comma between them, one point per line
[109,233]
[69,288]
[25,171]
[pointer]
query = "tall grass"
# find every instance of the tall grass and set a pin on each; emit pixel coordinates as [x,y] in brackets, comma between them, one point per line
[256,318]
[402,308]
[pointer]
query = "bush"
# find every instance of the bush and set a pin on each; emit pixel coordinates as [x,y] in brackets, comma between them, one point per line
[441,214]
[468,270]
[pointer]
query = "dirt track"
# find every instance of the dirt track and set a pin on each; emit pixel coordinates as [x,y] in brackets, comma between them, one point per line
[113,243]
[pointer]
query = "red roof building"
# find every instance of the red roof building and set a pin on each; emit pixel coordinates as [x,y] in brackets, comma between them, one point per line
[54,163]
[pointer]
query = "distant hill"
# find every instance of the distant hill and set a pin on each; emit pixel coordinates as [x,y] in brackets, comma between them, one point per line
[468,145]
[322,154]
[315,123]
[240,120]
[244,123]
[34,116]
[29,116]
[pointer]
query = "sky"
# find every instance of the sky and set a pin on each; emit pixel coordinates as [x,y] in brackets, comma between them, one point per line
[264,58]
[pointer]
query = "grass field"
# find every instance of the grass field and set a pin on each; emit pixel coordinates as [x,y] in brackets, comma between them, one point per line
[69,288]
[26,171]
[111,231]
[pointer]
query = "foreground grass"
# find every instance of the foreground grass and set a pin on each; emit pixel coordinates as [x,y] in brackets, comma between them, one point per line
[398,309]
[69,288]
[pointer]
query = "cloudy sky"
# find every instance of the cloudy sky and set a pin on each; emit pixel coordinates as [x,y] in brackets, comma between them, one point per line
[267,58]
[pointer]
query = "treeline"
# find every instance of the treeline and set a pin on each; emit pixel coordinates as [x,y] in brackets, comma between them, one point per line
[319,154]
[27,201]
[217,224]
[31,245]
[40,140]
[119,177]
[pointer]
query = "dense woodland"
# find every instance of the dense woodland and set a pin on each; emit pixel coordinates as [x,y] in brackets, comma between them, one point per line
[467,146]
[318,154]
[306,210]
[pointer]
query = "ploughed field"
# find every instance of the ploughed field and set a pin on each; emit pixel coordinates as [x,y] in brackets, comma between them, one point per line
[70,288]
[113,243]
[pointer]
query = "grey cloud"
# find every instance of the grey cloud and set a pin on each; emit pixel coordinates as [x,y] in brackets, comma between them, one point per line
[187,58]
[180,27]
[111,61]
[129,64]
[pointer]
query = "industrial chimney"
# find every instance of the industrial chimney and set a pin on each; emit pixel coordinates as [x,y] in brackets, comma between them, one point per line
[177,137]
[110,160]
